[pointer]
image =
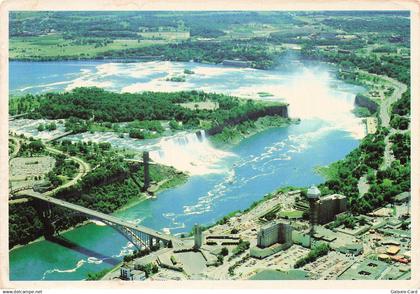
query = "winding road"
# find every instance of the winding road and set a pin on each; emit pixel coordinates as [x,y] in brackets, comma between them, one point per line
[84,168]
[385,116]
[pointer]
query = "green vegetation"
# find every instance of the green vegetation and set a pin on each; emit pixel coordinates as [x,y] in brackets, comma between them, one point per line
[401,147]
[375,41]
[224,251]
[98,275]
[400,122]
[83,107]
[231,269]
[150,269]
[234,231]
[291,214]
[362,111]
[178,79]
[348,220]
[391,66]
[401,111]
[112,184]
[225,219]
[63,167]
[254,52]
[265,94]
[140,253]
[240,248]
[233,134]
[317,251]
[369,156]
[402,106]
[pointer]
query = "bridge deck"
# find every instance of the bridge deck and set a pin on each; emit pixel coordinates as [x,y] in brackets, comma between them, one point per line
[59,136]
[99,215]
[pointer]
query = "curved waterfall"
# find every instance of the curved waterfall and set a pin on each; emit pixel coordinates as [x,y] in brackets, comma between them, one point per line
[190,152]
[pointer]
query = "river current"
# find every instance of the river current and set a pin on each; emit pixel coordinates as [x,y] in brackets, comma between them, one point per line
[232,179]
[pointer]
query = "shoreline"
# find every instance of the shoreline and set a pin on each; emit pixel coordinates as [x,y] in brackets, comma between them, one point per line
[132,202]
[218,143]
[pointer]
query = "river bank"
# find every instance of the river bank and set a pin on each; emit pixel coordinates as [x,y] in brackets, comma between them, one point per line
[233,135]
[261,161]
[177,179]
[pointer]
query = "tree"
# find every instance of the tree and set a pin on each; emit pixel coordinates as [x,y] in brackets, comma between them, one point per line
[224,251]
[36,146]
[135,133]
[51,126]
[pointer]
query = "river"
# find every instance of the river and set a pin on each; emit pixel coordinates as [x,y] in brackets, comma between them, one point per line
[245,173]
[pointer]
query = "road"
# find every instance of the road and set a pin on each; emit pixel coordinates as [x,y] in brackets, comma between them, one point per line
[84,168]
[98,215]
[363,186]
[385,113]
[385,109]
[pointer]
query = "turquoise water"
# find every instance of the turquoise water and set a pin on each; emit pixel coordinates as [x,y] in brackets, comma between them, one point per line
[266,161]
[261,163]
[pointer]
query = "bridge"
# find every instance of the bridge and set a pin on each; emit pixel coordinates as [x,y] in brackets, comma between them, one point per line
[58,136]
[140,236]
[150,162]
[13,117]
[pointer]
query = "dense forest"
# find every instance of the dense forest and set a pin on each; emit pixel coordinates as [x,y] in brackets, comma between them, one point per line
[103,106]
[127,24]
[367,160]
[210,52]
[394,67]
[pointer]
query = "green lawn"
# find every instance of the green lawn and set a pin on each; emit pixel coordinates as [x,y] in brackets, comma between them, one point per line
[291,213]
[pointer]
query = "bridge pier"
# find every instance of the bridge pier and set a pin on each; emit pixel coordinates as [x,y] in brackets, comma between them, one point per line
[146,173]
[44,213]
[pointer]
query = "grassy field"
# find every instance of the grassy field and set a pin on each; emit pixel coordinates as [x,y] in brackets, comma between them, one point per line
[168,35]
[328,172]
[291,213]
[54,45]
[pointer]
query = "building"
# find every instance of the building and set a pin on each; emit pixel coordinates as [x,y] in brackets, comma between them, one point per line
[125,273]
[368,269]
[274,233]
[271,239]
[198,236]
[326,208]
[354,249]
[132,275]
[392,250]
[138,275]
[313,196]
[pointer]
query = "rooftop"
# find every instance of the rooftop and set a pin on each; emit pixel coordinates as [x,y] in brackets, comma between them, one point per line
[313,192]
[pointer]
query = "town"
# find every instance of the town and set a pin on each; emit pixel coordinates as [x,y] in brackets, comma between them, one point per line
[274,240]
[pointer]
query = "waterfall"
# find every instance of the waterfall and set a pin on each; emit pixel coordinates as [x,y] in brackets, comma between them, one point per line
[315,95]
[190,152]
